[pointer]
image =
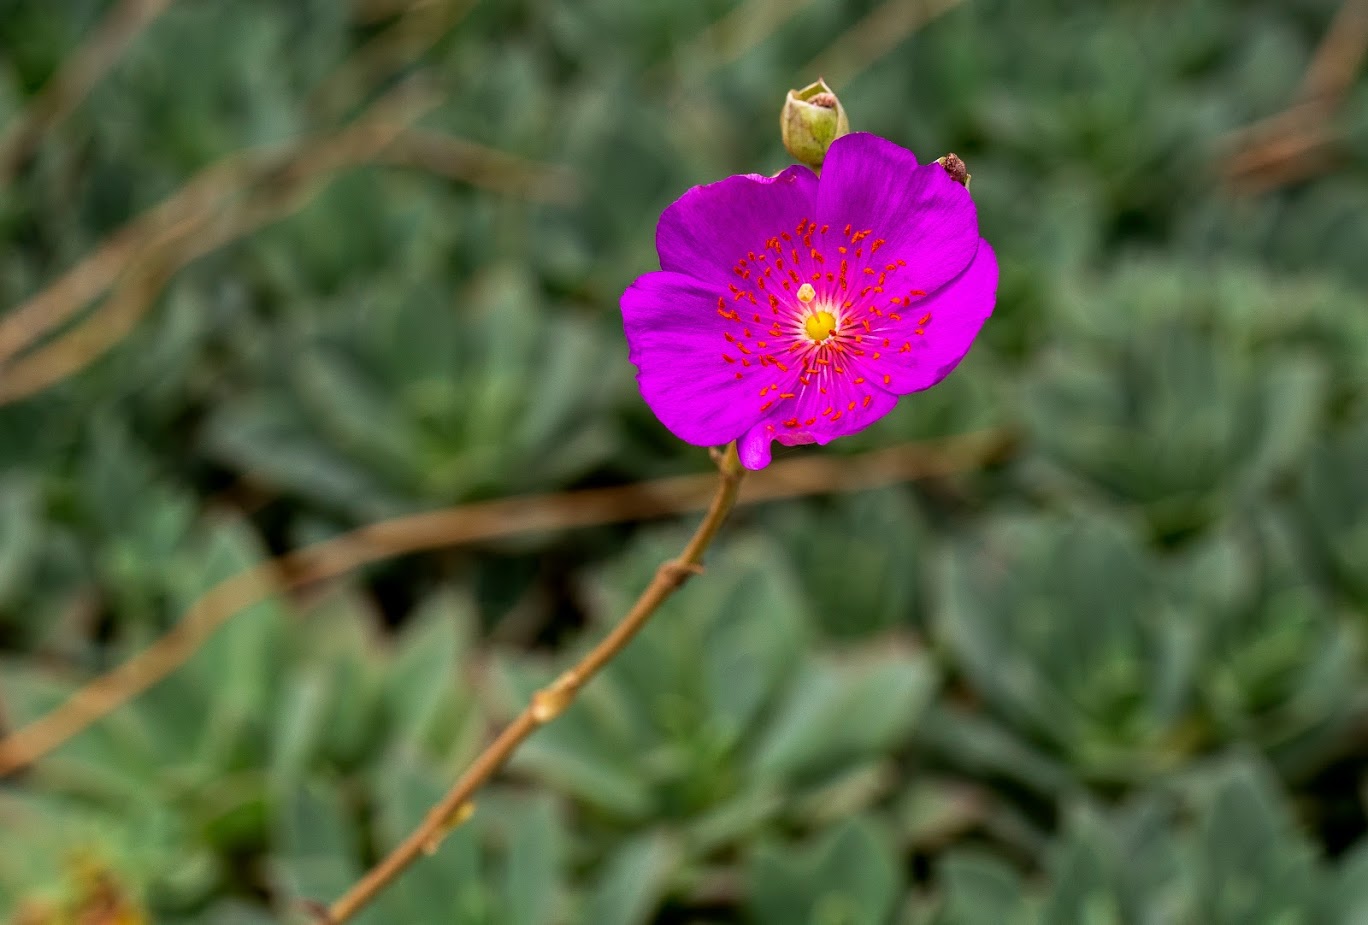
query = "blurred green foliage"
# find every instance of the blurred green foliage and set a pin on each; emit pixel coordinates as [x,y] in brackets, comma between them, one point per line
[1119,679]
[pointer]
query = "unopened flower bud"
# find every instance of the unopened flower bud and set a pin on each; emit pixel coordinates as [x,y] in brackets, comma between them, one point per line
[955,167]
[811,120]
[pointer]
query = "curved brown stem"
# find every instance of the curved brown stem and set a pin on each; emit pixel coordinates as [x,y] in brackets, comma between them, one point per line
[481,521]
[547,703]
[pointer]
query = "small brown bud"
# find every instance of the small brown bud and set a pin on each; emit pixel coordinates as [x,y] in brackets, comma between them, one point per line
[449,825]
[551,701]
[955,167]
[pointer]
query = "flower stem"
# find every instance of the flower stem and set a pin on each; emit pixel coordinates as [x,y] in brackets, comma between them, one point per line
[547,703]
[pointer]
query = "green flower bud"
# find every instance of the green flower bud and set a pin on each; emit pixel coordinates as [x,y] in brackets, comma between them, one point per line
[811,120]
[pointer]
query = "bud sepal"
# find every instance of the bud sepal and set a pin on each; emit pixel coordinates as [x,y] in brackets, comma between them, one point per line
[812,118]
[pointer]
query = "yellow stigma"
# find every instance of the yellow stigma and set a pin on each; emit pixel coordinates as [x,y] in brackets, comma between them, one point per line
[819,325]
[806,293]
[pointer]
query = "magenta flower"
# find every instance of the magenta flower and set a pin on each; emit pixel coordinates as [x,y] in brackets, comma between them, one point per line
[796,309]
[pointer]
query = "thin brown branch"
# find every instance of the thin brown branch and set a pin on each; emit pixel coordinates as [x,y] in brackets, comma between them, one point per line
[730,38]
[182,223]
[68,354]
[420,25]
[171,246]
[183,215]
[1339,57]
[1299,142]
[371,12]
[878,33]
[170,220]
[202,200]
[484,167]
[483,521]
[78,75]
[1295,145]
[547,703]
[286,184]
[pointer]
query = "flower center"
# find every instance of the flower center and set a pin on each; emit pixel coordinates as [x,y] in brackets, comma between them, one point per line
[832,318]
[819,325]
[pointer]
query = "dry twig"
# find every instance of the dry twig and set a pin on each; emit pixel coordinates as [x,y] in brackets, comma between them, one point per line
[183,225]
[471,523]
[546,704]
[420,25]
[170,221]
[76,78]
[284,183]
[484,167]
[1339,57]
[1298,142]
[243,192]
[878,33]
[729,39]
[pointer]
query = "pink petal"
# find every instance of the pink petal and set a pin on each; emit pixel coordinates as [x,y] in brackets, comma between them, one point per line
[924,217]
[754,446]
[676,339]
[845,408]
[707,230]
[948,320]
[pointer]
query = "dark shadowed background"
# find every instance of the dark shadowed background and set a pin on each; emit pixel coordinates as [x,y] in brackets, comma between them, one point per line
[272,270]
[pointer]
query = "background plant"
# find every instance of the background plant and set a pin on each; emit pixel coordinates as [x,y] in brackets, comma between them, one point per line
[1113,675]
